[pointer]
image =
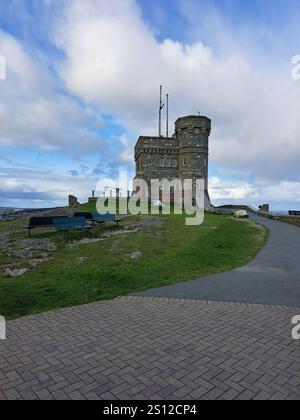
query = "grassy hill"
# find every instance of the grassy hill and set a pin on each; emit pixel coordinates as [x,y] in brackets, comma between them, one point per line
[143,254]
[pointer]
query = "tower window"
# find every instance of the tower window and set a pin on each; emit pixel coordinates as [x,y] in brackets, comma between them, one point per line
[184,136]
[162,163]
[184,162]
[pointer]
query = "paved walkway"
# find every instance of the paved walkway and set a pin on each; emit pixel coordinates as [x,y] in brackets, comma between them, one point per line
[273,277]
[145,348]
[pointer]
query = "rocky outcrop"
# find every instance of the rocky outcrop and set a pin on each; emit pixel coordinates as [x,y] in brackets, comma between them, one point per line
[15,273]
[4,238]
[36,244]
[28,252]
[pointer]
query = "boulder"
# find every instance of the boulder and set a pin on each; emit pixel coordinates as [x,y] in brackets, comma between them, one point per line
[241,214]
[16,272]
[136,255]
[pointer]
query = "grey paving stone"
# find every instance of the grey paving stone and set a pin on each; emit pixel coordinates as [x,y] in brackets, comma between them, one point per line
[143,348]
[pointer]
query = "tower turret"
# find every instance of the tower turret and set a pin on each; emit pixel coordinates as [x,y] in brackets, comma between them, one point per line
[192,134]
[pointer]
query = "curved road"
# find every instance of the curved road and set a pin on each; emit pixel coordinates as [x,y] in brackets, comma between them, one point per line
[273,277]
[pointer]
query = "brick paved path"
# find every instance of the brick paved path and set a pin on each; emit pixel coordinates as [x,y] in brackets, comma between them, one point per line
[141,348]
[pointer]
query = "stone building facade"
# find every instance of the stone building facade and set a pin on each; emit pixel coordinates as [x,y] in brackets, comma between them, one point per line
[183,156]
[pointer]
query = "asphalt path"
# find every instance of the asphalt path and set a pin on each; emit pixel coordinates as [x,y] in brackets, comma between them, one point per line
[272,277]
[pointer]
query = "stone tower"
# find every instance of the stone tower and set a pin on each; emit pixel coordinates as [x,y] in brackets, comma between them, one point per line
[192,133]
[184,155]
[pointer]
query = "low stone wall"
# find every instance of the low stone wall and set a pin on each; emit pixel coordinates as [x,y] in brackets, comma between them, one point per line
[294,220]
[235,207]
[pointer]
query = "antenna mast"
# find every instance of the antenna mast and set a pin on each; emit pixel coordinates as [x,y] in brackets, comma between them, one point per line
[167,120]
[161,106]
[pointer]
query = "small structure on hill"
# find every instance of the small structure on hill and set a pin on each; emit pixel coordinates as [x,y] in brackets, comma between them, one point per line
[73,201]
[265,208]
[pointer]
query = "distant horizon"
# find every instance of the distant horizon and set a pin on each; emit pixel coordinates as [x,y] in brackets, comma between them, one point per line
[273,209]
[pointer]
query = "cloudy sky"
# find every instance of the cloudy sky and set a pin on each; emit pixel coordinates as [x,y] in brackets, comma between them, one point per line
[82,81]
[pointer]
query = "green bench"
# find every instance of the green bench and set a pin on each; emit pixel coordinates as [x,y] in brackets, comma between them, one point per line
[105,218]
[99,218]
[71,223]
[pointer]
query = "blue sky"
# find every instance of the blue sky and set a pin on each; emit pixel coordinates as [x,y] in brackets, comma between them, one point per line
[82,80]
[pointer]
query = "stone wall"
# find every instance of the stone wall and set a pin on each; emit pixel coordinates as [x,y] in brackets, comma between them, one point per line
[156,158]
[294,220]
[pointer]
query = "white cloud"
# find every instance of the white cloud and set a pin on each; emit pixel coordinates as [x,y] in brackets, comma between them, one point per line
[126,156]
[34,113]
[258,192]
[42,187]
[113,60]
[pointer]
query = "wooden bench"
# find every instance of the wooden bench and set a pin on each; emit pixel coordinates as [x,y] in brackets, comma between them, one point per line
[70,223]
[35,222]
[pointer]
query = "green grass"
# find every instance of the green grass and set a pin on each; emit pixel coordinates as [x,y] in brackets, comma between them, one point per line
[179,253]
[12,226]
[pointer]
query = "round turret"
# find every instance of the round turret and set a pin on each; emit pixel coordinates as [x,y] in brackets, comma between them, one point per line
[192,133]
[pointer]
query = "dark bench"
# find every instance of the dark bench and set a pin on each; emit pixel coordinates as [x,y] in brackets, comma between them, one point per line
[99,218]
[106,218]
[86,215]
[70,223]
[35,222]
[294,213]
